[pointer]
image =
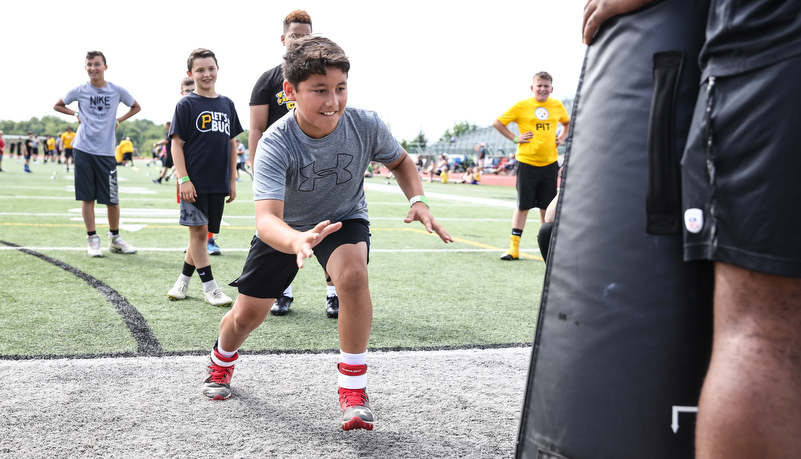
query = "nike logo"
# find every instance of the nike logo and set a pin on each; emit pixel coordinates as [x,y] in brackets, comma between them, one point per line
[203,273]
[112,172]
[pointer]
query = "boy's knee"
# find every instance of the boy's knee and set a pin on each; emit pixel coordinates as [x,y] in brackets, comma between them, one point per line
[352,278]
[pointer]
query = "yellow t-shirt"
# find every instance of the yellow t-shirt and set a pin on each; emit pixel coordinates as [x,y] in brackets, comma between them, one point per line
[126,146]
[118,154]
[51,144]
[66,138]
[541,118]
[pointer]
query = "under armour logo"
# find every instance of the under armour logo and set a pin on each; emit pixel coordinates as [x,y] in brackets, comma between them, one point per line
[310,173]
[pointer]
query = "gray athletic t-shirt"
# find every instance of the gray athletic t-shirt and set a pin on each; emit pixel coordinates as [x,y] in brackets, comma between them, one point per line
[98,112]
[321,179]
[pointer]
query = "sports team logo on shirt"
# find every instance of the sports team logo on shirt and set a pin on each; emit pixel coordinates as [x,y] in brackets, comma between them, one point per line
[541,113]
[208,121]
[282,99]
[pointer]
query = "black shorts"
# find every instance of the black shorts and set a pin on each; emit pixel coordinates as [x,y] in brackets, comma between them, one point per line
[240,166]
[206,210]
[68,153]
[96,178]
[268,272]
[741,169]
[168,163]
[536,186]
[127,156]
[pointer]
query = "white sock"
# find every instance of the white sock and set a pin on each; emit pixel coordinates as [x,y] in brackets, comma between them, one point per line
[330,291]
[288,291]
[352,382]
[209,286]
[225,353]
[184,278]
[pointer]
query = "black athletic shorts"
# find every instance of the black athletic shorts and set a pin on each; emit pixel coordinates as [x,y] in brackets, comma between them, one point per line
[268,272]
[536,186]
[206,210]
[741,171]
[168,162]
[68,153]
[95,178]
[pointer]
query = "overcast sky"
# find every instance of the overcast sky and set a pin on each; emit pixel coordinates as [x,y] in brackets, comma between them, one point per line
[422,65]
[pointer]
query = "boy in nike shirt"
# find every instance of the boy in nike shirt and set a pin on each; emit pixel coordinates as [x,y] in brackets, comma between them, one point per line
[309,192]
[93,149]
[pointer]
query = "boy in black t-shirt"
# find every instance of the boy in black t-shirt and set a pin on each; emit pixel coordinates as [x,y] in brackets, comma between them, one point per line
[202,136]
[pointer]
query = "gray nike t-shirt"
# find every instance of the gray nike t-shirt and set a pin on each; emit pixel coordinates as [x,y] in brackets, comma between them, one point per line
[321,179]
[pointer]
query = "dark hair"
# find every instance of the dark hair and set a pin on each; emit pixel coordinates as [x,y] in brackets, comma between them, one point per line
[298,16]
[543,76]
[200,53]
[310,55]
[187,81]
[93,54]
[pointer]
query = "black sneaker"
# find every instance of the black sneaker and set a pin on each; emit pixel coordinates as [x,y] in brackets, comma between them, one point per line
[332,307]
[281,306]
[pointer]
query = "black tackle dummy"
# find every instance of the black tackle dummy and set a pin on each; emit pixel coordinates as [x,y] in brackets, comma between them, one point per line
[625,325]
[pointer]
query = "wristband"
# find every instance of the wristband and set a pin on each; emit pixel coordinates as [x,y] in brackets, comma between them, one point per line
[418,199]
[515,139]
[75,114]
[184,179]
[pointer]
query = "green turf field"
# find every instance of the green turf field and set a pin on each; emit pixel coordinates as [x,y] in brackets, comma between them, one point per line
[56,301]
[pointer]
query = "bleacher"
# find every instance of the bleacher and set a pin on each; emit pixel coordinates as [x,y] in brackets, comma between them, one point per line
[462,153]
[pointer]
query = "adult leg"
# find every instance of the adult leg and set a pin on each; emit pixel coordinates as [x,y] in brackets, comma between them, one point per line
[750,403]
[347,267]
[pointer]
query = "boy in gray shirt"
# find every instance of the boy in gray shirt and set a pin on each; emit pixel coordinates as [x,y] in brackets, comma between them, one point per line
[309,192]
[93,149]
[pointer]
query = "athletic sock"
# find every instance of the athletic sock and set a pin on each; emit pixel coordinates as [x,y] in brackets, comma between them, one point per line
[188,270]
[207,278]
[115,232]
[517,232]
[352,370]
[288,292]
[225,353]
[91,233]
[330,291]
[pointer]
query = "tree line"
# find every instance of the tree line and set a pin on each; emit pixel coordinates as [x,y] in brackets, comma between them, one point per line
[143,132]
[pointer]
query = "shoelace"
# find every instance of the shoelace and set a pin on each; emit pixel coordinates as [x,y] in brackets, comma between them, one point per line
[353,395]
[220,375]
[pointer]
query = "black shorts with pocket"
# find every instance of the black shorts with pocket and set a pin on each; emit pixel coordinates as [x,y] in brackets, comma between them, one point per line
[268,272]
[741,171]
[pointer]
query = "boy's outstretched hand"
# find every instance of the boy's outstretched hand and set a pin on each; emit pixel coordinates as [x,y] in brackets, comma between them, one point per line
[308,239]
[419,212]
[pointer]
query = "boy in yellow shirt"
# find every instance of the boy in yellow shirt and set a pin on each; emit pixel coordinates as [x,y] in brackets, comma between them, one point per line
[538,118]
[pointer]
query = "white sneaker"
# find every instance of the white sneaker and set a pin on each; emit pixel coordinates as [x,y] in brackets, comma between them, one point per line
[178,291]
[93,246]
[117,245]
[216,297]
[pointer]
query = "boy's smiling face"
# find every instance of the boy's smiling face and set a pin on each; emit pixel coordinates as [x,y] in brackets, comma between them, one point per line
[96,69]
[541,89]
[204,72]
[320,101]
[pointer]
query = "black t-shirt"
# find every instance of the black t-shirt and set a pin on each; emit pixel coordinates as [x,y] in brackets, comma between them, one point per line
[207,125]
[744,35]
[269,90]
